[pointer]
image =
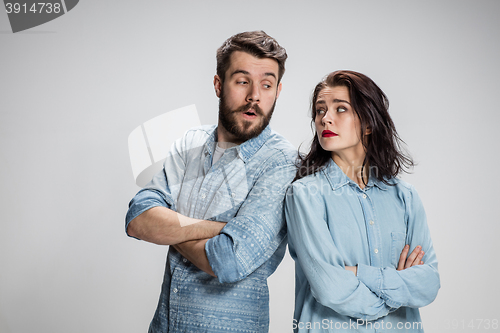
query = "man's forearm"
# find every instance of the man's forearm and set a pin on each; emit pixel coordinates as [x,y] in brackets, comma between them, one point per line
[163,226]
[194,251]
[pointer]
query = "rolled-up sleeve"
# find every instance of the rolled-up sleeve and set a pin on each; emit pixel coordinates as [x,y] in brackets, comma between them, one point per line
[158,191]
[257,231]
[143,201]
[407,287]
[320,260]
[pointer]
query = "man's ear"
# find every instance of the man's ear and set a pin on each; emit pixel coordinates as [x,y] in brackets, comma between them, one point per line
[278,91]
[217,85]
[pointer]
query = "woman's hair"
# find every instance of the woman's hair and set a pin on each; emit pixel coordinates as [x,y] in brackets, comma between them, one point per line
[384,153]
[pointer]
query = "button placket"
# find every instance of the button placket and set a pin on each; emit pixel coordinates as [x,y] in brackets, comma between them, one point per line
[372,229]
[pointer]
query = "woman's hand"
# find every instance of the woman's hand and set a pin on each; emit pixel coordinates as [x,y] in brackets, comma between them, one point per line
[414,259]
[353,269]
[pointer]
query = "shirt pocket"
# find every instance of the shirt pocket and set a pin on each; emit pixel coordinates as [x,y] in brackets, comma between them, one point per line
[398,243]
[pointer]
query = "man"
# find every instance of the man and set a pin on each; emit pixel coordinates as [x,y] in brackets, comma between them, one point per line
[219,200]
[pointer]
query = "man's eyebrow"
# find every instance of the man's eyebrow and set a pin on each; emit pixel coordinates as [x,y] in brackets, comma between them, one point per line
[270,74]
[241,71]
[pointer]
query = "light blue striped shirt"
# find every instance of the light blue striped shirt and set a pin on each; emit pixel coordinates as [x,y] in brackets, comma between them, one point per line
[333,223]
[245,188]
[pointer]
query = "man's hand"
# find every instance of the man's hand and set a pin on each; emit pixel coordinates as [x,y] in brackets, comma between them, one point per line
[194,251]
[414,259]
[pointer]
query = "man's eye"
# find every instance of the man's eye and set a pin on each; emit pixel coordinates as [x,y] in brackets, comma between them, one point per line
[267,86]
[242,82]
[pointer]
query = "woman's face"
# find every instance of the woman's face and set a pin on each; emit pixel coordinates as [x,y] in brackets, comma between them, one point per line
[337,125]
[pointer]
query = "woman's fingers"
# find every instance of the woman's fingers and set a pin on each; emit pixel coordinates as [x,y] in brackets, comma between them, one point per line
[418,259]
[402,258]
[413,257]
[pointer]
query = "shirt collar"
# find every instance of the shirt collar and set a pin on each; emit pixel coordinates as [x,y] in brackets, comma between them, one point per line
[247,149]
[337,178]
[211,142]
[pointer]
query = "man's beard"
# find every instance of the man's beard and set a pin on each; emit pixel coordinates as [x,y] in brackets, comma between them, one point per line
[242,131]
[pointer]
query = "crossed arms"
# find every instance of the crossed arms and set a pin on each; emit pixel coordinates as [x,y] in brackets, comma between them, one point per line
[162,226]
[372,292]
[229,250]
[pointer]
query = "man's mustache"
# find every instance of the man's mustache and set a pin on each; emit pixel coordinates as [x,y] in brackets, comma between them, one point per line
[249,106]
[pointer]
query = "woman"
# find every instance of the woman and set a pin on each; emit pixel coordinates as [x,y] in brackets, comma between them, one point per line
[351,222]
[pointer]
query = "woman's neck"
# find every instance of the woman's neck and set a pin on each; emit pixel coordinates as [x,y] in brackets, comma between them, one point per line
[351,163]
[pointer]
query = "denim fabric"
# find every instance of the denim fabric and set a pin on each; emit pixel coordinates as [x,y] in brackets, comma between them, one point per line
[333,223]
[245,188]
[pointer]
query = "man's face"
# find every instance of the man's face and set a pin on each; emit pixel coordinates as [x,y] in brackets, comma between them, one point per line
[247,97]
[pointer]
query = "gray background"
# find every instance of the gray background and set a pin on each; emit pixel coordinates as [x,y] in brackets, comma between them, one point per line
[73,89]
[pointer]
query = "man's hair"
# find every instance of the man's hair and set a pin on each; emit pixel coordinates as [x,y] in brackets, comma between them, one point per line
[257,43]
[383,146]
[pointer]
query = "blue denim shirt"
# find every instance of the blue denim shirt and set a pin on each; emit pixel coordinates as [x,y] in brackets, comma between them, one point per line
[333,223]
[246,189]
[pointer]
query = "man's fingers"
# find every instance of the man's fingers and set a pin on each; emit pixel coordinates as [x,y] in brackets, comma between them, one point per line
[402,258]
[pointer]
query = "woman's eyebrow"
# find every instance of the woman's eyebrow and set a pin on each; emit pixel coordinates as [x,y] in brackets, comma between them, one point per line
[336,100]
[340,101]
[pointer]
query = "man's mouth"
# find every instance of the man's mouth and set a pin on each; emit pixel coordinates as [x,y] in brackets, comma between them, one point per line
[251,111]
[249,115]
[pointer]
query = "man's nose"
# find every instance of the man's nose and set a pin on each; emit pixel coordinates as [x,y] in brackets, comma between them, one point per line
[253,93]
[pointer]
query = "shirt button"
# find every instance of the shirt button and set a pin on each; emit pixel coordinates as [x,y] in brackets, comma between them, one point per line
[203,195]
[185,260]
[372,223]
[376,251]
[175,290]
[364,196]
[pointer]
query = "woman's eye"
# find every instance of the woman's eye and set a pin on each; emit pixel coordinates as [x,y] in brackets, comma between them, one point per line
[320,112]
[341,109]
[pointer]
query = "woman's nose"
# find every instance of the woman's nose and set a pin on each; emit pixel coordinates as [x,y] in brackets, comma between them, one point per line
[326,119]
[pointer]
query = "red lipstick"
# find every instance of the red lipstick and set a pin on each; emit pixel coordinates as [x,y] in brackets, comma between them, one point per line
[328,134]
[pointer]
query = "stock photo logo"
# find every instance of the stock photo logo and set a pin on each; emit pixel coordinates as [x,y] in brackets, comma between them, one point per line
[25,15]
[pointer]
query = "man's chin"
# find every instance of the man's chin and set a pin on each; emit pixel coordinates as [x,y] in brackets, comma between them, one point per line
[247,130]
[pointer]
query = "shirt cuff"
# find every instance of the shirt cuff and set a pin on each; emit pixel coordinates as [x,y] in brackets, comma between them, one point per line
[142,202]
[220,256]
[371,277]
